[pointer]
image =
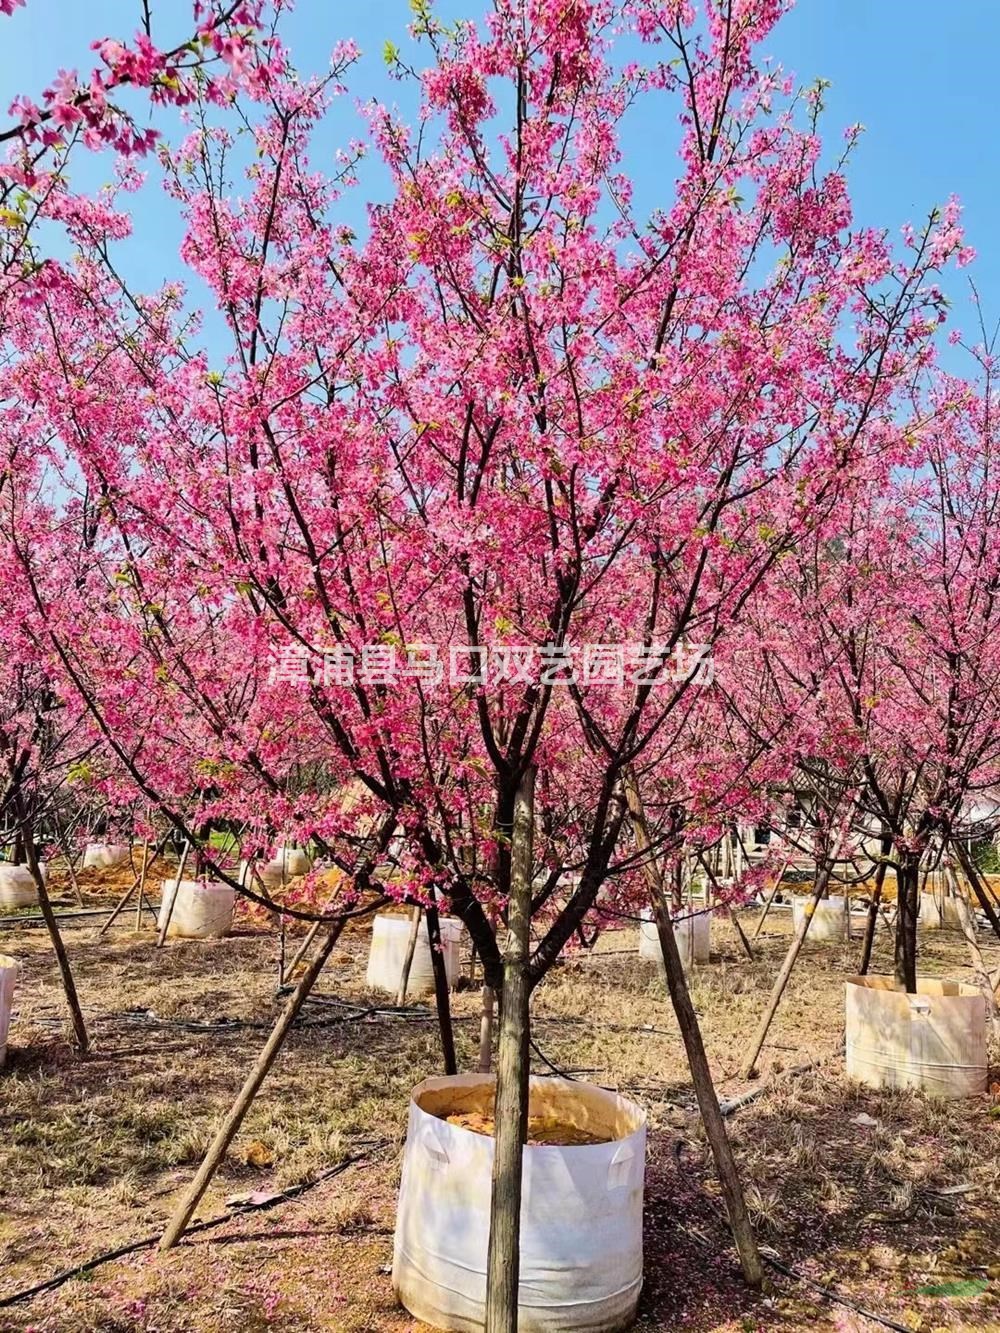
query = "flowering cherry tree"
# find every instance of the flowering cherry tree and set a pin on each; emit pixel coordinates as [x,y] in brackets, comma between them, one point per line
[516,426]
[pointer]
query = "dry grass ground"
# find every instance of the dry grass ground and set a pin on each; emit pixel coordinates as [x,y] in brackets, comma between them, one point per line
[94,1153]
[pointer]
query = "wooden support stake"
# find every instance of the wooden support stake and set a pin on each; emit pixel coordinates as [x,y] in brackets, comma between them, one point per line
[798,939]
[300,952]
[137,883]
[146,862]
[416,916]
[229,1128]
[770,899]
[52,925]
[873,910]
[978,888]
[171,904]
[63,841]
[730,911]
[701,1074]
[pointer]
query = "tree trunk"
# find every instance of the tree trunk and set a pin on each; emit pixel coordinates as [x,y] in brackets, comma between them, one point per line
[972,875]
[967,921]
[907,903]
[230,1126]
[871,923]
[442,994]
[885,847]
[52,925]
[701,1075]
[511,1107]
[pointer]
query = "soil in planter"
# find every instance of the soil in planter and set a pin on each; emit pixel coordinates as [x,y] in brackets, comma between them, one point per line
[543,1131]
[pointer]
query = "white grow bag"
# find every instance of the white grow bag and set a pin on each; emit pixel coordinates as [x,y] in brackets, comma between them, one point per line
[692,932]
[202,909]
[105,855]
[8,980]
[581,1211]
[17,886]
[934,1040]
[387,952]
[936,914]
[288,864]
[829,918]
[294,859]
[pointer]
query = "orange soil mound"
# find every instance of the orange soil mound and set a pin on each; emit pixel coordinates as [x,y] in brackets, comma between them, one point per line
[543,1131]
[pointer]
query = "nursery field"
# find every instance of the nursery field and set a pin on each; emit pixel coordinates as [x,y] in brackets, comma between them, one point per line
[887,1199]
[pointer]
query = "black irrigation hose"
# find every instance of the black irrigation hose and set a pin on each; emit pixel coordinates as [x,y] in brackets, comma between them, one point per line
[39,920]
[140,1020]
[831,1295]
[292,1192]
[787,1271]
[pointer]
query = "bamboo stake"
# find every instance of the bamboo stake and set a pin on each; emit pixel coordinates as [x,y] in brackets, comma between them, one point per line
[740,932]
[701,1074]
[301,951]
[229,1128]
[310,935]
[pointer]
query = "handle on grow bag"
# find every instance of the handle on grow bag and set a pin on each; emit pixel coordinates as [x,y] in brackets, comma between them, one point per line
[620,1168]
[434,1149]
[920,1006]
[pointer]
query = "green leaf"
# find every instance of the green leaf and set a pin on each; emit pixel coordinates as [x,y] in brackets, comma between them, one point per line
[963,1287]
[390,53]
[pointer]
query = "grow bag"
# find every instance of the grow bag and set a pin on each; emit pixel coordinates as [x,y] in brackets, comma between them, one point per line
[581,1210]
[294,859]
[936,914]
[17,886]
[287,864]
[829,918]
[934,1040]
[203,909]
[8,980]
[693,934]
[387,951]
[105,855]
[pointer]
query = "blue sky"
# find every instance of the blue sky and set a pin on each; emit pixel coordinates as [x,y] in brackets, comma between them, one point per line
[917,74]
